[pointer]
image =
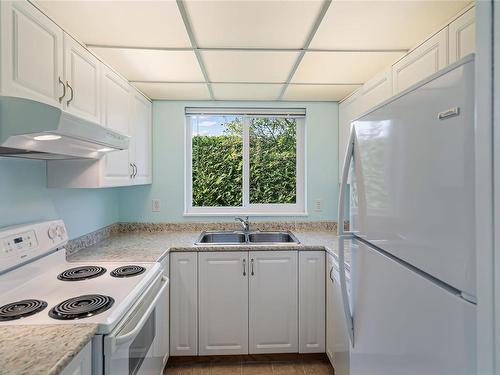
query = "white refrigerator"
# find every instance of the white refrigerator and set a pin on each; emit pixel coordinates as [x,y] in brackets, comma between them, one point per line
[411,201]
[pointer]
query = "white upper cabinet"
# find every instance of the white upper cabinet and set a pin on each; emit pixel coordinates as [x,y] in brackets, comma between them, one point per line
[141,151]
[82,76]
[223,303]
[32,54]
[426,59]
[311,301]
[273,302]
[375,91]
[116,95]
[462,35]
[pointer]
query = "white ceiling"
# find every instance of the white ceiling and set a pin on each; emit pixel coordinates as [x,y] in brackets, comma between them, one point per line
[250,49]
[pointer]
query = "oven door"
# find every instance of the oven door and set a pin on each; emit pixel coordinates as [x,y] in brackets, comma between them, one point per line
[130,348]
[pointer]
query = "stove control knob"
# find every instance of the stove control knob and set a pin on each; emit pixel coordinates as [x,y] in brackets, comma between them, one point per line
[60,231]
[52,232]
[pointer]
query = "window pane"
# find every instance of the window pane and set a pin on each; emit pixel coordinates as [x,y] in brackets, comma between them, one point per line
[273,160]
[217,146]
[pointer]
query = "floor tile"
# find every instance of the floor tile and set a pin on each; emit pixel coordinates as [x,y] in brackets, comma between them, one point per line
[225,369]
[288,369]
[257,369]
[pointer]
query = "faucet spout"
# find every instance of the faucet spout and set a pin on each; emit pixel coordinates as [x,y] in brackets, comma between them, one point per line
[244,223]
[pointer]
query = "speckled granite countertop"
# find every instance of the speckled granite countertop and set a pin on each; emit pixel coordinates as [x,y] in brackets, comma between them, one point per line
[151,246]
[41,349]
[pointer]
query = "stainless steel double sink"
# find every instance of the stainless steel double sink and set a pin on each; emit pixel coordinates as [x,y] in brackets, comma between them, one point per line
[246,238]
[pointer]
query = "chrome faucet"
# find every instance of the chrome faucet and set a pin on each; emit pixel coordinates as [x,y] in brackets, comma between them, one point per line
[244,223]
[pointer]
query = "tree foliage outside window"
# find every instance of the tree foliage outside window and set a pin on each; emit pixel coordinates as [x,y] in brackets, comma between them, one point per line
[217,162]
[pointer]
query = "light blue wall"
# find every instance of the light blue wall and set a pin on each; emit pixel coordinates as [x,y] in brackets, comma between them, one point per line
[168,162]
[24,197]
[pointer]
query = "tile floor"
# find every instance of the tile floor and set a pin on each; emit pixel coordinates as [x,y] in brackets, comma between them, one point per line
[248,365]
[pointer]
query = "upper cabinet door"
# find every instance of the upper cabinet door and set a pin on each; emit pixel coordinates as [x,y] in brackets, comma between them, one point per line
[116,116]
[32,54]
[223,303]
[376,90]
[462,35]
[141,131]
[422,62]
[273,282]
[82,78]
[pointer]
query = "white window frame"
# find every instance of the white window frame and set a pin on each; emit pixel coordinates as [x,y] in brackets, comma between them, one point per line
[247,209]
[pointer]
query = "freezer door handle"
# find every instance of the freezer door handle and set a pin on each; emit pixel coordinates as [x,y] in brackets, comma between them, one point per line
[342,235]
[343,181]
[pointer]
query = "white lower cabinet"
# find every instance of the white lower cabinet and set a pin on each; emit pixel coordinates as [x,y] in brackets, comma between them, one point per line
[223,303]
[81,364]
[273,302]
[183,304]
[312,302]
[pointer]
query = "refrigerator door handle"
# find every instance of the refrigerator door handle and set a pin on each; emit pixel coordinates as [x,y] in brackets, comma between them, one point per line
[342,235]
[343,182]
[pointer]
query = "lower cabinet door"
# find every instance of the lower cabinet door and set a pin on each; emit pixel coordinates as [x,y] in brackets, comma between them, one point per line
[183,304]
[223,303]
[311,301]
[273,311]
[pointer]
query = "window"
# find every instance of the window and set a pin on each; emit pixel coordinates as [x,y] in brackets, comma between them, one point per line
[246,161]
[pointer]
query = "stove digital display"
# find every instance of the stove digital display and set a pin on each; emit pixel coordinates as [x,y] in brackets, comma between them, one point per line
[18,240]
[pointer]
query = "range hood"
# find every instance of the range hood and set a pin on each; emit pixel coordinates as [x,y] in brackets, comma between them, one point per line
[35,130]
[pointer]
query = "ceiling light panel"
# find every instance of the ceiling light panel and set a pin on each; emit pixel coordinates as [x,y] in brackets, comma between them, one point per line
[258,24]
[342,67]
[174,91]
[152,65]
[382,24]
[229,91]
[318,92]
[248,66]
[120,23]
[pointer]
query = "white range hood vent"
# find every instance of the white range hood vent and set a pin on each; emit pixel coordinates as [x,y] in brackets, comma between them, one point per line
[30,129]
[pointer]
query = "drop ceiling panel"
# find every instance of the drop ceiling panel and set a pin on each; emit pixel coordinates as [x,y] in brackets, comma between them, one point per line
[174,91]
[318,92]
[120,23]
[228,91]
[342,67]
[270,24]
[153,65]
[249,66]
[382,24]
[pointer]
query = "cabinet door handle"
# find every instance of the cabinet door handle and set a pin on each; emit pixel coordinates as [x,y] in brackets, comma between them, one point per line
[64,90]
[331,278]
[132,174]
[244,267]
[251,267]
[71,97]
[136,170]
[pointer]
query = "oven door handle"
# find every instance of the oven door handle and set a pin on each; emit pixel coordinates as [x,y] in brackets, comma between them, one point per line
[126,337]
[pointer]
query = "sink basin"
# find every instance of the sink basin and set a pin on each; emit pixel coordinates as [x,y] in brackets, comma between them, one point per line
[242,238]
[222,238]
[272,237]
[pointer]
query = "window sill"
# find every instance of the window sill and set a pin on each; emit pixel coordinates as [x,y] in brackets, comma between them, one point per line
[243,213]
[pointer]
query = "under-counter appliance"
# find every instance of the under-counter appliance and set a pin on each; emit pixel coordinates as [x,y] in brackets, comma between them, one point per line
[412,230]
[126,300]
